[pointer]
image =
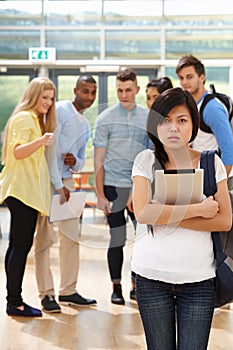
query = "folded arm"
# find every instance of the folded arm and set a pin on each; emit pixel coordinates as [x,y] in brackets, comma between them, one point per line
[209,215]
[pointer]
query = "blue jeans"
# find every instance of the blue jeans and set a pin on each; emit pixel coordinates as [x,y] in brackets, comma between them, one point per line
[176,316]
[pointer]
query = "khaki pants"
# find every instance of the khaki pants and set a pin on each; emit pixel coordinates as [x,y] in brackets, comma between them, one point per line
[45,237]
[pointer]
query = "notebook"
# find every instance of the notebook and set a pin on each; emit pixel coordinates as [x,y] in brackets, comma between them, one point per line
[68,210]
[182,186]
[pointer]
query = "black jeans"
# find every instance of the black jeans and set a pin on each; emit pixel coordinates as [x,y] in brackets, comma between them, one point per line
[22,228]
[117,222]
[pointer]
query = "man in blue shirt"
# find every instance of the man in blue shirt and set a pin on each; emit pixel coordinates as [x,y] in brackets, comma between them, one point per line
[191,73]
[72,134]
[119,135]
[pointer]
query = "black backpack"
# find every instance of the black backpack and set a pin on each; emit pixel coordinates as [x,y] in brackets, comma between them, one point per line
[224,262]
[226,100]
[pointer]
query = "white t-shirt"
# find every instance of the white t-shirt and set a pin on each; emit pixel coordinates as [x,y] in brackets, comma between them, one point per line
[172,254]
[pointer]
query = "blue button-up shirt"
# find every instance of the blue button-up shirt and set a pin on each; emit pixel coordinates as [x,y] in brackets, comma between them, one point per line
[72,135]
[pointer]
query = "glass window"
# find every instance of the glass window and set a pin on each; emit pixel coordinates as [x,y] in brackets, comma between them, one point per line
[132,13]
[132,44]
[15,44]
[82,13]
[204,43]
[112,29]
[11,88]
[196,7]
[193,22]
[20,13]
[74,44]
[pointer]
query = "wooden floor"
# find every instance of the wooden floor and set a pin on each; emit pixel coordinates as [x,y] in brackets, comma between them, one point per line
[105,326]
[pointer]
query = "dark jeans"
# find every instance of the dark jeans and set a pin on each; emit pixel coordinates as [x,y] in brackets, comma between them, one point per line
[117,222]
[166,309]
[22,228]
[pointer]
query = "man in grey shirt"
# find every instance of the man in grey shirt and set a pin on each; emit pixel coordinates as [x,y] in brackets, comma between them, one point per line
[119,135]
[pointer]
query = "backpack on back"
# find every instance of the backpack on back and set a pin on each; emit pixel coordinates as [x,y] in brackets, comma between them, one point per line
[226,100]
[222,242]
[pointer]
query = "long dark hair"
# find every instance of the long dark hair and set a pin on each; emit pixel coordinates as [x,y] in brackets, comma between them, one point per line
[161,84]
[158,112]
[161,108]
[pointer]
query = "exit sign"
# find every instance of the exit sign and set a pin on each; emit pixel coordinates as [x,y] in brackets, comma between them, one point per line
[42,54]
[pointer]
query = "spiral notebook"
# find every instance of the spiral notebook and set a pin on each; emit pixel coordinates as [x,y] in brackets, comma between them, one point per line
[182,186]
[68,210]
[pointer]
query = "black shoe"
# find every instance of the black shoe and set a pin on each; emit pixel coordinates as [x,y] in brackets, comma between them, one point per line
[133,294]
[76,299]
[28,311]
[117,297]
[49,304]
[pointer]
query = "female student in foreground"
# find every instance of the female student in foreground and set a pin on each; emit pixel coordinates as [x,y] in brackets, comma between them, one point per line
[173,255]
[24,181]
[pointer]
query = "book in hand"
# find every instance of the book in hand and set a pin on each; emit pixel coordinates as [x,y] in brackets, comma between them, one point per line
[182,186]
[68,210]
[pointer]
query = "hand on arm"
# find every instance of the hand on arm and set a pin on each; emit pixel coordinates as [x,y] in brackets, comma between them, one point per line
[222,221]
[154,213]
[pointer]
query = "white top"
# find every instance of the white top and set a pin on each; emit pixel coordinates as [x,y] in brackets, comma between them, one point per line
[172,254]
[203,142]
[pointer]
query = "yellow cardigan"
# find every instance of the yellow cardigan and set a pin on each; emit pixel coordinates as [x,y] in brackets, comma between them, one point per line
[26,179]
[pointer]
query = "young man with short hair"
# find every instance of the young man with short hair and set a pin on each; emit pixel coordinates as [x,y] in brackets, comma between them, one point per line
[119,135]
[191,74]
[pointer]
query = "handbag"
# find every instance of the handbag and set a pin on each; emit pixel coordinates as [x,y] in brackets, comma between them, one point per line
[224,262]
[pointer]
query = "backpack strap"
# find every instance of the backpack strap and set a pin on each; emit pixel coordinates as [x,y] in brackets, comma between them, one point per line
[223,98]
[207,163]
[210,188]
[203,126]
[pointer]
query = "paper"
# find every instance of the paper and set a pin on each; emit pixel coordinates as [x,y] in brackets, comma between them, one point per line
[68,210]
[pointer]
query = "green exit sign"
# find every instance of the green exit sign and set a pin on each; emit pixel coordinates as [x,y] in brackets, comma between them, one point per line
[42,54]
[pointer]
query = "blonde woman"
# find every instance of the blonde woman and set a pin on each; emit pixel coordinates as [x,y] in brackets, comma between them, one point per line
[24,180]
